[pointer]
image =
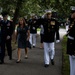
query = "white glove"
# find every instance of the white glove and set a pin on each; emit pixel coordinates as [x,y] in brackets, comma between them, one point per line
[8,37]
[57,41]
[73,56]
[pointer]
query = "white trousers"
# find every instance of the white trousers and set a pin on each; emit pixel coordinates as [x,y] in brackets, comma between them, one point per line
[67,28]
[72,65]
[32,39]
[49,52]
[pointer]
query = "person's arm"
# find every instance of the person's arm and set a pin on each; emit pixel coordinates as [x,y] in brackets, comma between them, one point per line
[9,30]
[12,29]
[57,32]
[28,35]
[16,32]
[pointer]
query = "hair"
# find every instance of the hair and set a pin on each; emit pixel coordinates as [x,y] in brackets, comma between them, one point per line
[73,11]
[24,22]
[4,13]
[48,13]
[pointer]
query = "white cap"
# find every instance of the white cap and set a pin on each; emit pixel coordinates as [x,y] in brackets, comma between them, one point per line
[33,14]
[72,7]
[48,11]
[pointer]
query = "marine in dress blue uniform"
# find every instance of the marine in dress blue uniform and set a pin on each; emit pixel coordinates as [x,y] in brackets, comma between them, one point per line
[32,23]
[71,42]
[51,27]
[0,45]
[6,35]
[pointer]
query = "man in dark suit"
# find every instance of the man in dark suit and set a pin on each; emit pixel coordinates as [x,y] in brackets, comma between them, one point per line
[6,35]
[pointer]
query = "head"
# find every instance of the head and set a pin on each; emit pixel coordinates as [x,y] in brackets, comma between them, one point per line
[67,19]
[48,15]
[33,16]
[22,21]
[5,15]
[73,15]
[73,12]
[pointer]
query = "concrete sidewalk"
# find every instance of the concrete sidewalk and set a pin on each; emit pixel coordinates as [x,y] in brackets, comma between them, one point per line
[34,65]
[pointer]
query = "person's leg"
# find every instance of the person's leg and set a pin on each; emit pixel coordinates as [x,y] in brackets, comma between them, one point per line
[19,55]
[46,54]
[2,51]
[66,28]
[26,53]
[34,40]
[52,52]
[41,45]
[73,59]
[30,39]
[41,40]
[52,48]
[72,65]
[9,48]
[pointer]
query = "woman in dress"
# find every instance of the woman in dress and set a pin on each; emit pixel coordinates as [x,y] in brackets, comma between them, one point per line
[23,35]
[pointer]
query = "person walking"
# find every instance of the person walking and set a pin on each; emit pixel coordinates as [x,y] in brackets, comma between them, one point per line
[6,36]
[51,27]
[23,35]
[32,23]
[71,42]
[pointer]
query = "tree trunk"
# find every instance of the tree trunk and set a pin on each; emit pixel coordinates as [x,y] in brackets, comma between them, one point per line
[17,11]
[16,15]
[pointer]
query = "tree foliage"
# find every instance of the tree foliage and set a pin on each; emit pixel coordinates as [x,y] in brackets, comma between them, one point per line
[26,7]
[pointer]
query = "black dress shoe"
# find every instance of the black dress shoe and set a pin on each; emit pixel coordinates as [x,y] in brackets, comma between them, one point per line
[52,61]
[1,62]
[46,65]
[10,57]
[26,57]
[33,46]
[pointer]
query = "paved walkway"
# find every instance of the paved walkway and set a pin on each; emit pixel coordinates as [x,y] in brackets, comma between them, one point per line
[34,65]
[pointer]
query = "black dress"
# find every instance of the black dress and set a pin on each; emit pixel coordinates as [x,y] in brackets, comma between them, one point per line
[22,37]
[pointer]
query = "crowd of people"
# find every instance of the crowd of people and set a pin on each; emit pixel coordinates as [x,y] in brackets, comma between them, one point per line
[26,31]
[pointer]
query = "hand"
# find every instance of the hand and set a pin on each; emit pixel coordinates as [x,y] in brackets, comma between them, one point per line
[73,56]
[8,37]
[27,38]
[57,41]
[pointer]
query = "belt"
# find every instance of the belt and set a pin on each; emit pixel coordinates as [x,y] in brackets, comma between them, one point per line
[70,37]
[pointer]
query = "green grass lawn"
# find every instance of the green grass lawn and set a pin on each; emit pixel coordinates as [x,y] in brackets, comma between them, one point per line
[65,69]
